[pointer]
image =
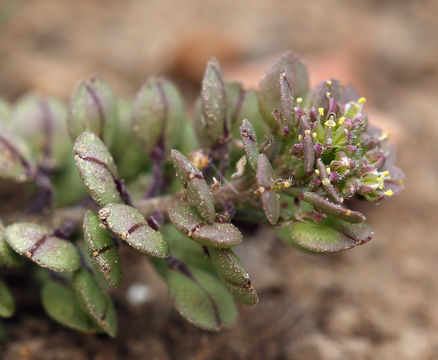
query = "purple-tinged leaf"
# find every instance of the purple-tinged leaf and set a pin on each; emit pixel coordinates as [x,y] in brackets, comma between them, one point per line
[286,108]
[270,199]
[94,302]
[188,221]
[158,112]
[97,169]
[249,139]
[101,249]
[128,224]
[269,92]
[233,275]
[322,204]
[214,101]
[93,107]
[197,189]
[37,243]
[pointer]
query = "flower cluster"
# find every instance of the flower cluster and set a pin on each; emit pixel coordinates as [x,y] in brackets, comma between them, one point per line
[341,154]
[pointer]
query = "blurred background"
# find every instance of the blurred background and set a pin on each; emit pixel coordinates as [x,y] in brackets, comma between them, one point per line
[378,301]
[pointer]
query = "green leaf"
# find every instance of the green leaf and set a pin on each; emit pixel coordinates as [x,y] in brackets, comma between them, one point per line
[61,305]
[158,110]
[198,192]
[214,101]
[235,95]
[269,86]
[127,223]
[15,160]
[97,169]
[42,124]
[93,107]
[249,139]
[38,244]
[233,275]
[265,182]
[188,221]
[228,266]
[94,302]
[185,249]
[8,257]
[329,235]
[7,305]
[101,249]
[245,294]
[201,298]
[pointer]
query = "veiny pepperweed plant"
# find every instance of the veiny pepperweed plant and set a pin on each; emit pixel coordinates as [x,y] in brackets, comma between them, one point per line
[284,156]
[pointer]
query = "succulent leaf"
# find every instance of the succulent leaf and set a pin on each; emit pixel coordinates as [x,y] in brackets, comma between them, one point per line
[214,101]
[38,244]
[329,235]
[102,249]
[198,192]
[42,124]
[61,305]
[93,107]
[94,302]
[127,223]
[329,208]
[265,182]
[158,112]
[8,257]
[15,161]
[269,91]
[188,221]
[201,298]
[233,275]
[7,304]
[250,145]
[97,169]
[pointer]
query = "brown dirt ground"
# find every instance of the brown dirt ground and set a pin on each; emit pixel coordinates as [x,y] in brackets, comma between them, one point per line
[378,301]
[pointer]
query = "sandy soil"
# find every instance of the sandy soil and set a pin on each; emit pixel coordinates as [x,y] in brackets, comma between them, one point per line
[378,301]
